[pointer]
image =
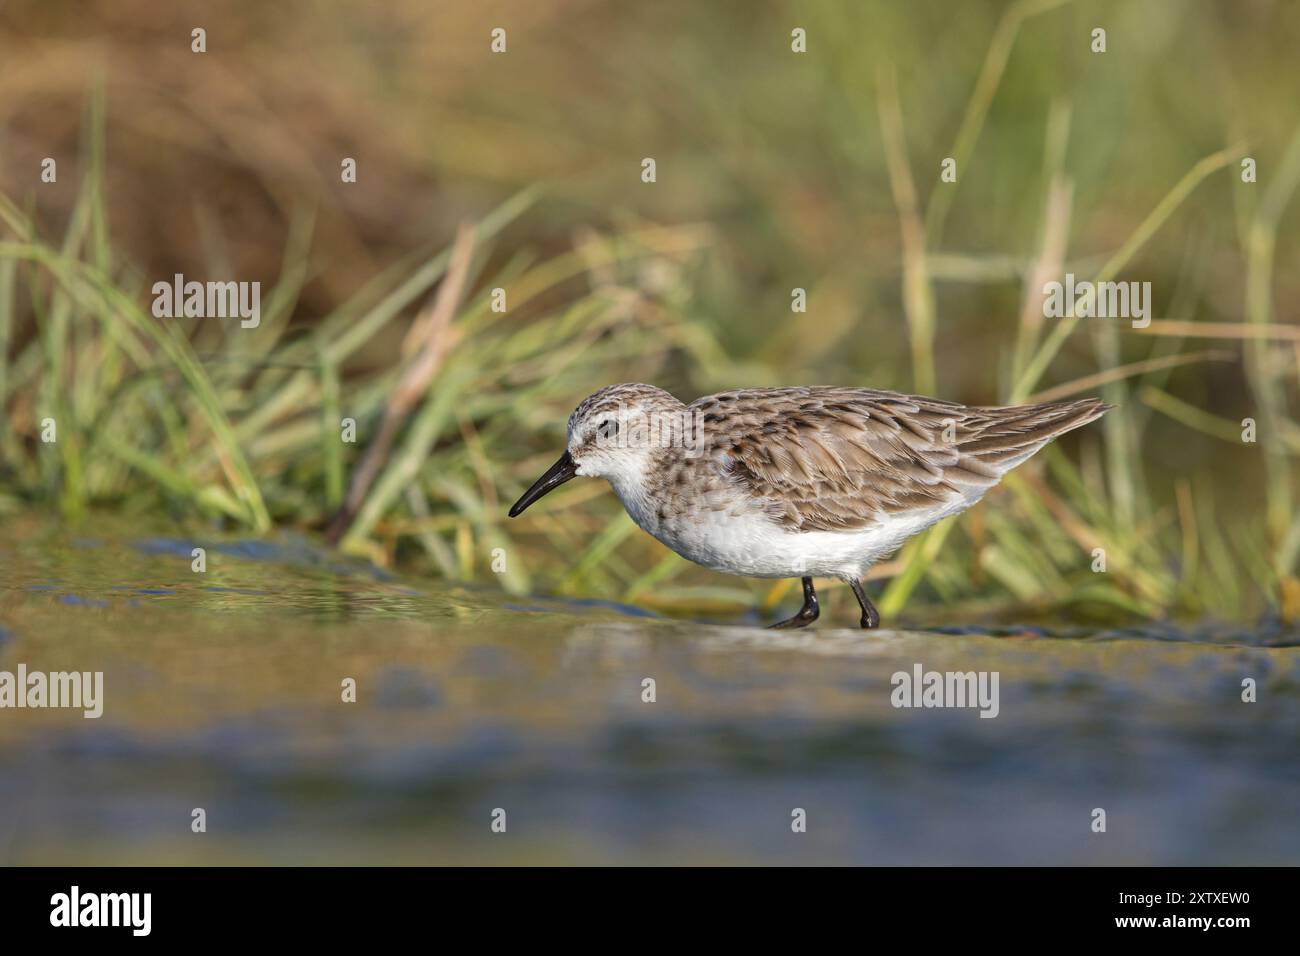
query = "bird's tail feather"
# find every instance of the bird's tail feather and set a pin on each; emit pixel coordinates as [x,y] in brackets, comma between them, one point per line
[1011,435]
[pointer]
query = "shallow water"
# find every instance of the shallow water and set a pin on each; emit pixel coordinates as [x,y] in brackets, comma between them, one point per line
[223,691]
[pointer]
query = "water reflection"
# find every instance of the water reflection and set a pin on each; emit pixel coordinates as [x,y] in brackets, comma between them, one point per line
[224,691]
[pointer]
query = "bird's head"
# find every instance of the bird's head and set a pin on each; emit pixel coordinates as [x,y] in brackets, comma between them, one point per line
[615,433]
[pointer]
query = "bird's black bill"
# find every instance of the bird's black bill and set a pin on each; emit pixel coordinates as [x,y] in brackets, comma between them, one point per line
[556,475]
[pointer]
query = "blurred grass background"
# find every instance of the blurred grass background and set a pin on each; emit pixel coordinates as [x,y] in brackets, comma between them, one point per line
[775,170]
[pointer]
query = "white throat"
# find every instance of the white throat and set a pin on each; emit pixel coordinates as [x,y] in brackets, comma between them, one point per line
[630,482]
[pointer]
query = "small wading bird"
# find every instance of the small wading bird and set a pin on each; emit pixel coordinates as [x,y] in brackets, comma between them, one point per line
[798,482]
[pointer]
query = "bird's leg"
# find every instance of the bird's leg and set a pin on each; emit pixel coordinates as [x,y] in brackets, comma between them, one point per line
[808,613]
[870,616]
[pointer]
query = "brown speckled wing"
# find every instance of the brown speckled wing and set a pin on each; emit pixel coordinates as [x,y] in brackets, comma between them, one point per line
[837,459]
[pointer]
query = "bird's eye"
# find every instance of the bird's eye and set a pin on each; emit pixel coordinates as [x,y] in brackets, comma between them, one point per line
[608,429]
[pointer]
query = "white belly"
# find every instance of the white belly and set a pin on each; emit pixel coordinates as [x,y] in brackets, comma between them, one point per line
[751,544]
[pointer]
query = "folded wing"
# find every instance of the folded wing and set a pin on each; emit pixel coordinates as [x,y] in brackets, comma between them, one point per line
[843,459]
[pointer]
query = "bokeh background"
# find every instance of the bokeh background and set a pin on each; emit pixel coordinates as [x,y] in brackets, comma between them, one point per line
[775,170]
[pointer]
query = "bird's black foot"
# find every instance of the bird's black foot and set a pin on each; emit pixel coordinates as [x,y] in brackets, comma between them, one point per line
[870,616]
[807,614]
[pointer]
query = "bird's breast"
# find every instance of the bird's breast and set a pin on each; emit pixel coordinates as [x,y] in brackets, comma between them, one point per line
[718,530]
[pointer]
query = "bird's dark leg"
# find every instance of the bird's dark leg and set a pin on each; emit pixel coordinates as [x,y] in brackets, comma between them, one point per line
[870,616]
[808,613]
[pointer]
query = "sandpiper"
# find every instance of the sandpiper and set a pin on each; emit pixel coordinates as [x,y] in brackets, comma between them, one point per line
[798,482]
